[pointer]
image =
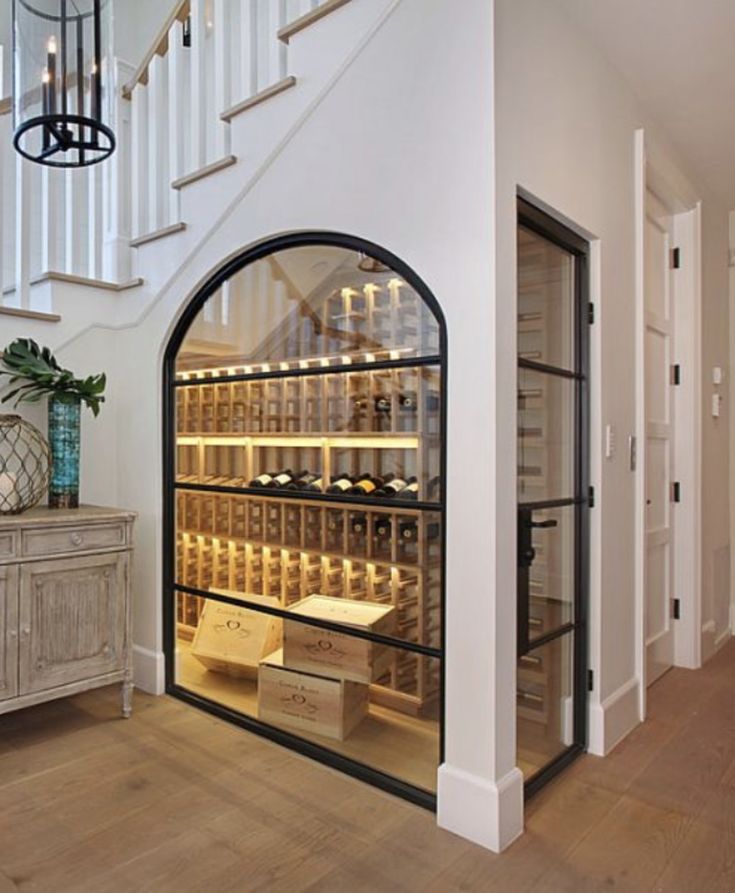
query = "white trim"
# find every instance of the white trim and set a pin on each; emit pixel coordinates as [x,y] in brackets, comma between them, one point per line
[149,670]
[614,718]
[487,813]
[654,171]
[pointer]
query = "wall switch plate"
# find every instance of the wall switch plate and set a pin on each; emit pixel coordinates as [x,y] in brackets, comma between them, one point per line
[633,452]
[609,441]
[715,406]
[717,375]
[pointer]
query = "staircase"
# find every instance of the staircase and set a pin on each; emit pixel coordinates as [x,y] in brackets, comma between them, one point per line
[218,95]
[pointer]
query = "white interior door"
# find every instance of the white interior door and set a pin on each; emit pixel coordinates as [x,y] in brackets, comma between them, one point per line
[659,427]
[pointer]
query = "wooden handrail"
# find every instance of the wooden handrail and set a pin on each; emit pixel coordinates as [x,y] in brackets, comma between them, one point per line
[159,47]
[5,106]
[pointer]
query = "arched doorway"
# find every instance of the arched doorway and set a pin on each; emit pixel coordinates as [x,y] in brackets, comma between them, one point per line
[304,506]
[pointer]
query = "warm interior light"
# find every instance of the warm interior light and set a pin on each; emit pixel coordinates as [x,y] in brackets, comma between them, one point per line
[51,45]
[45,77]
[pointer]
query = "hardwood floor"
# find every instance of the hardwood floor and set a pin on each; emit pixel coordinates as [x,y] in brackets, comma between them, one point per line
[176,800]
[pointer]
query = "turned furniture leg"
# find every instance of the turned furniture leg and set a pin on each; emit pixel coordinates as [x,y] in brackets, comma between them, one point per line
[127,698]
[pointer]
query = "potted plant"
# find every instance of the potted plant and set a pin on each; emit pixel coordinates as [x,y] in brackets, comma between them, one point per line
[34,373]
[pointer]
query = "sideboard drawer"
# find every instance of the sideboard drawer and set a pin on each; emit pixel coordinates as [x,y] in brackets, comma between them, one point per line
[66,540]
[8,546]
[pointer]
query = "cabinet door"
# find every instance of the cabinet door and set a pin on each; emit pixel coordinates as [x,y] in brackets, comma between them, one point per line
[8,632]
[72,620]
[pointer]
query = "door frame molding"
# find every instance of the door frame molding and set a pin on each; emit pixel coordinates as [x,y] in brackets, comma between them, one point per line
[655,173]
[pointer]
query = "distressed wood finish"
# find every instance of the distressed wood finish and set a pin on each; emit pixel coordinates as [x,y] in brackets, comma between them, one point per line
[64,604]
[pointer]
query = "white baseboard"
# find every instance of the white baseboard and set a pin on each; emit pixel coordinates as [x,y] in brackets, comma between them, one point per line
[149,670]
[708,640]
[614,718]
[487,813]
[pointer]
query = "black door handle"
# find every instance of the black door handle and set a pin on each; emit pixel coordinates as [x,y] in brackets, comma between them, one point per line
[545,524]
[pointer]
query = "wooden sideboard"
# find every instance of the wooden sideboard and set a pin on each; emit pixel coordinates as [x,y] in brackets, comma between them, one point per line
[65,604]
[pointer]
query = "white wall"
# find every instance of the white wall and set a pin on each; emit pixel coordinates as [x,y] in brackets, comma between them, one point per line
[565,125]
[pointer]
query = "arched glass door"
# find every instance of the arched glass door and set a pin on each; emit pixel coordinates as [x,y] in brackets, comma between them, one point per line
[304,499]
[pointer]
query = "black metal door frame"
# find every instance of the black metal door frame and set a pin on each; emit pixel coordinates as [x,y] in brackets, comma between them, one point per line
[542,224]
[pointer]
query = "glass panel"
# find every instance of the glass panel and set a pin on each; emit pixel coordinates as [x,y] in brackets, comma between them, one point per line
[289,551]
[314,305]
[545,704]
[376,705]
[551,586]
[545,301]
[545,436]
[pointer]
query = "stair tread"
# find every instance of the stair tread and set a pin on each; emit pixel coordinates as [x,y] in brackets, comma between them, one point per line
[314,15]
[29,314]
[260,96]
[205,171]
[56,276]
[155,234]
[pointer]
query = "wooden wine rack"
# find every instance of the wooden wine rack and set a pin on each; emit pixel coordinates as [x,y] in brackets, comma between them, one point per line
[383,416]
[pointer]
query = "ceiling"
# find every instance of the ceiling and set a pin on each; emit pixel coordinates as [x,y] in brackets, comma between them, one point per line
[679,58]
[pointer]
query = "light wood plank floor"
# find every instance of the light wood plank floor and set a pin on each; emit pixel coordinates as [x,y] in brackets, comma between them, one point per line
[176,800]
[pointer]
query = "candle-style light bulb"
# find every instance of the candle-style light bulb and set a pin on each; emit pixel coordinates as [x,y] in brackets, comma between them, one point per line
[51,45]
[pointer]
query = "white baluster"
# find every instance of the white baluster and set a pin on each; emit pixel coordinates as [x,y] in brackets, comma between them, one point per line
[177,122]
[198,133]
[116,182]
[139,156]
[94,221]
[76,222]
[277,50]
[22,233]
[248,49]
[222,71]
[52,218]
[157,142]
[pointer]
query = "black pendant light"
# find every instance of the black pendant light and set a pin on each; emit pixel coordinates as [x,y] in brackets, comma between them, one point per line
[61,75]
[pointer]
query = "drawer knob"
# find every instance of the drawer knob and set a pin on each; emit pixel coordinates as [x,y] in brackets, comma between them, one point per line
[77,539]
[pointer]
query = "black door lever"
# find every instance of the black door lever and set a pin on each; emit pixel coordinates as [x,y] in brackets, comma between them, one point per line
[545,524]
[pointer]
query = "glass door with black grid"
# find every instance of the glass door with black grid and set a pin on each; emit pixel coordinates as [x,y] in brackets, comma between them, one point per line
[553,494]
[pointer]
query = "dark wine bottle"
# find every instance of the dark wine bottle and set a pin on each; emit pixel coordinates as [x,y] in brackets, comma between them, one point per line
[408,531]
[407,401]
[282,478]
[303,481]
[341,483]
[262,480]
[359,524]
[382,403]
[432,401]
[365,485]
[383,527]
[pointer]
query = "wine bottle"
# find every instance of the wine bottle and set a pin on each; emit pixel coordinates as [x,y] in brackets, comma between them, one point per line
[314,486]
[382,403]
[341,483]
[394,487]
[303,481]
[432,401]
[365,485]
[410,491]
[262,480]
[408,531]
[358,524]
[383,527]
[281,479]
[407,401]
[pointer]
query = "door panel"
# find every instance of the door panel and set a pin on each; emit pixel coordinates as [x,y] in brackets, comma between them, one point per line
[659,464]
[71,620]
[8,632]
[552,491]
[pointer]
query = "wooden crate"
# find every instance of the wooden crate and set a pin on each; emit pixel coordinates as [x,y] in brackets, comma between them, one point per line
[232,639]
[305,701]
[339,654]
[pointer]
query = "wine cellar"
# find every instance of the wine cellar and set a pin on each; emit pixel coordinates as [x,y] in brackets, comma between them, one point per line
[307,489]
